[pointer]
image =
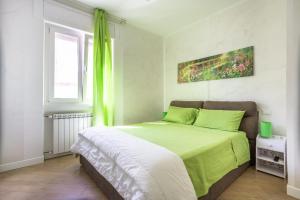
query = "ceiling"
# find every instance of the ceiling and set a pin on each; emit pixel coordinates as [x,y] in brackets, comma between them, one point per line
[162,17]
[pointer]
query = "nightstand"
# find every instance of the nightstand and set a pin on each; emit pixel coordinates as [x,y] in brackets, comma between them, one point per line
[267,150]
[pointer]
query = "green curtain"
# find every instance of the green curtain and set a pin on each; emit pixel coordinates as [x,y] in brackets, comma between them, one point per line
[103,73]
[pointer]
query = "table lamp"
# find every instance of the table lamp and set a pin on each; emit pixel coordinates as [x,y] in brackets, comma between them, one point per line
[265,129]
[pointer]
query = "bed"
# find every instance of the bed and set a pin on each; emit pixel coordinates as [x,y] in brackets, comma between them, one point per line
[197,160]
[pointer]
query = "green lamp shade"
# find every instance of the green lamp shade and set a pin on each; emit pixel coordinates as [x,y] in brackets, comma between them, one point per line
[266,129]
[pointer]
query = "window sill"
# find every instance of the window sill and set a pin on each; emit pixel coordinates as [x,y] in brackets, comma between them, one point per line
[67,107]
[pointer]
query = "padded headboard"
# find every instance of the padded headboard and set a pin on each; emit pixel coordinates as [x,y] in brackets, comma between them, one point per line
[188,104]
[249,123]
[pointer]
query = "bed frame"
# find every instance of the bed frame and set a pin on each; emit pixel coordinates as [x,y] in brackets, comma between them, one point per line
[249,124]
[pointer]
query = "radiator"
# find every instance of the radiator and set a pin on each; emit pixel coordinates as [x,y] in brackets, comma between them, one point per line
[66,128]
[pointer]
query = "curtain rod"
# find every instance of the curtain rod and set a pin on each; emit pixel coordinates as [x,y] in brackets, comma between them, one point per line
[90,10]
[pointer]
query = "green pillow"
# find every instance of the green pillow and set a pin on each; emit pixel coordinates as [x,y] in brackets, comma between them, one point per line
[181,115]
[227,120]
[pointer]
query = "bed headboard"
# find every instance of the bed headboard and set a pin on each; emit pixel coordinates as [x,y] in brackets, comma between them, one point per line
[249,123]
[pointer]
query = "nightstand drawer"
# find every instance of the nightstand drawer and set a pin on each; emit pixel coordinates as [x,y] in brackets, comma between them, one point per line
[274,143]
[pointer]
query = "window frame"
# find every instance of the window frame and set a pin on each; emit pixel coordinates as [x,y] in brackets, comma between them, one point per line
[50,30]
[85,67]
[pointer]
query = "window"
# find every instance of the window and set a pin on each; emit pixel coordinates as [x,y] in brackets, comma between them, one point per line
[66,62]
[69,65]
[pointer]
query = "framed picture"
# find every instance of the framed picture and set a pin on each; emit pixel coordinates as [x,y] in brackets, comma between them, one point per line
[233,64]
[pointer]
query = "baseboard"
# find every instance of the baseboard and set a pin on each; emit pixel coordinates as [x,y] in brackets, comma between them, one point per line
[22,163]
[293,191]
[50,155]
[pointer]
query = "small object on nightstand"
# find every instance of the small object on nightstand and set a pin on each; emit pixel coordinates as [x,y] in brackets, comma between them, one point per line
[265,129]
[271,155]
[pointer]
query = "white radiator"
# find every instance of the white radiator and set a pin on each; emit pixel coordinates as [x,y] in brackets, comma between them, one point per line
[66,128]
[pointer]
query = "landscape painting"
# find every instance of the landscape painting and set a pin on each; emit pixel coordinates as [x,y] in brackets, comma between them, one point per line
[233,64]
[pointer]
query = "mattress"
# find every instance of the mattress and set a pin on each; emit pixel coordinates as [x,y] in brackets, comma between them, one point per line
[162,160]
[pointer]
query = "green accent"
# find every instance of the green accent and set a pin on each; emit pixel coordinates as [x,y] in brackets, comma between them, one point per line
[181,115]
[164,114]
[208,154]
[266,129]
[103,74]
[220,119]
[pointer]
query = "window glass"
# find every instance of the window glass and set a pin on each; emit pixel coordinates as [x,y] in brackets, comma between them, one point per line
[66,66]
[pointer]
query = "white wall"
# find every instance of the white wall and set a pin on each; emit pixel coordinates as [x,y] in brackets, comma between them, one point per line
[140,55]
[68,16]
[258,23]
[293,97]
[21,83]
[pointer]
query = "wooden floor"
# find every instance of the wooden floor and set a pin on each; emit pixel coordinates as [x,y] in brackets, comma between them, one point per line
[64,179]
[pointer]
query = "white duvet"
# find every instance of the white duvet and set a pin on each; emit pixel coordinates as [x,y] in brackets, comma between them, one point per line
[138,169]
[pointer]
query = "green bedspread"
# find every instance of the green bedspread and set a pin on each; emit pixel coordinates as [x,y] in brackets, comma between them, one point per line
[208,154]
